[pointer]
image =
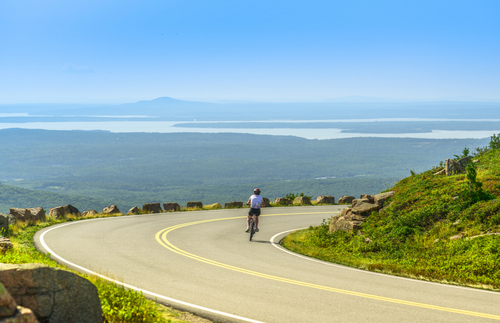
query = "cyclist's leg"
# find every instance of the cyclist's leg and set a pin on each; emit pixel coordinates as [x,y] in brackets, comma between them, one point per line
[256,221]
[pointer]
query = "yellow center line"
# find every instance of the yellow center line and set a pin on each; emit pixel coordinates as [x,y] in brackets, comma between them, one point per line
[161,237]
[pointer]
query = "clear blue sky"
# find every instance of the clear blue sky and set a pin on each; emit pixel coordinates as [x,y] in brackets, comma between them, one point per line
[124,51]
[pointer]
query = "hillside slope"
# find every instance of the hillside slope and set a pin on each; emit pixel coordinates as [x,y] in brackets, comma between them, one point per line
[436,228]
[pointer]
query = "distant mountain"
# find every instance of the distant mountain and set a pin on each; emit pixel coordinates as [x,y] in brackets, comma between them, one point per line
[166,108]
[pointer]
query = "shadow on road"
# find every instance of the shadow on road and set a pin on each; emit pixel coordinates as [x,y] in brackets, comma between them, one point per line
[261,241]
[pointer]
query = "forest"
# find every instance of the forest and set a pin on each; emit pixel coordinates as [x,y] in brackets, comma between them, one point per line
[131,169]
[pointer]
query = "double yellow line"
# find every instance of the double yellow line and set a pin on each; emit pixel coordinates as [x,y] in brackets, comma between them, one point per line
[161,237]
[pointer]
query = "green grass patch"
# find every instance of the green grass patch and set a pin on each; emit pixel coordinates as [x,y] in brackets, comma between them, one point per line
[437,228]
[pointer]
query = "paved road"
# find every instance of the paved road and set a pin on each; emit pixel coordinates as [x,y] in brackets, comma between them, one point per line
[203,262]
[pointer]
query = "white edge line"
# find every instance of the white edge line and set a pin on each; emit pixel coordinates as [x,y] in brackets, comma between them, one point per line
[279,247]
[52,253]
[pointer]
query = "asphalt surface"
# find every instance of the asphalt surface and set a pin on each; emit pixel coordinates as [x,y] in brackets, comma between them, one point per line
[203,262]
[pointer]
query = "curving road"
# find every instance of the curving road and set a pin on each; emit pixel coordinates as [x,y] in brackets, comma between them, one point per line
[202,262]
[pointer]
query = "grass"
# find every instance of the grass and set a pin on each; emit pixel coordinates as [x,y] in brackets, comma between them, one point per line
[418,234]
[118,304]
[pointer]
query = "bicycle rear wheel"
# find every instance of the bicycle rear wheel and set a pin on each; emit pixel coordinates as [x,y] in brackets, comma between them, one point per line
[252,228]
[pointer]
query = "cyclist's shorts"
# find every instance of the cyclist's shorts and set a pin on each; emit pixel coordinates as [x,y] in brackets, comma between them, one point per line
[254,211]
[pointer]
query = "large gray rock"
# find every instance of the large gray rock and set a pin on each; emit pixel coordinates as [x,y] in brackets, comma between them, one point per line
[61,212]
[152,208]
[233,205]
[167,207]
[111,209]
[10,312]
[325,199]
[302,200]
[194,205]
[29,214]
[346,199]
[283,201]
[54,295]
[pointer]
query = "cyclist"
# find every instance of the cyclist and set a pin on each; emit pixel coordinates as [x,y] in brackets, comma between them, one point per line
[256,202]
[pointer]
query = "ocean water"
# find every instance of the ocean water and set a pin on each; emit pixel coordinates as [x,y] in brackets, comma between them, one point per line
[168,127]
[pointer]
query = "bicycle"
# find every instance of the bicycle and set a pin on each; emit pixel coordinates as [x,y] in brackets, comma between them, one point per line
[251,228]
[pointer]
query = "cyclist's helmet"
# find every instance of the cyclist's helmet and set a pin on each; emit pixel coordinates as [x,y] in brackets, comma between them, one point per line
[256,191]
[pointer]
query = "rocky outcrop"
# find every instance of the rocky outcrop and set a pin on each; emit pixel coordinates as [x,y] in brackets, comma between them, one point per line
[233,205]
[10,312]
[61,212]
[5,245]
[301,200]
[194,205]
[352,218]
[89,213]
[325,199]
[346,221]
[111,209]
[54,295]
[167,207]
[453,167]
[346,199]
[29,214]
[283,201]
[133,211]
[152,208]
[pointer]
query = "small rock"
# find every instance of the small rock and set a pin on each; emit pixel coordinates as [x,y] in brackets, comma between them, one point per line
[111,209]
[346,199]
[89,213]
[134,210]
[4,223]
[171,207]
[325,199]
[233,205]
[152,208]
[5,245]
[194,205]
[302,200]
[456,237]
[283,201]
[266,202]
